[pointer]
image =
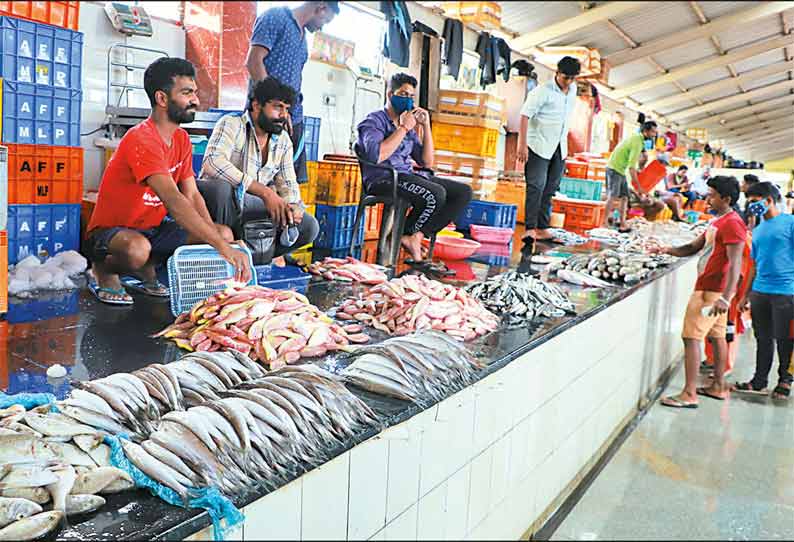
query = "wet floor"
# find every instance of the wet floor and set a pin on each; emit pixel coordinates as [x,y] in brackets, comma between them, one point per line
[724,471]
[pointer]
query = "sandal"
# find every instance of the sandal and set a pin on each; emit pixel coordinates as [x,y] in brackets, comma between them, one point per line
[103,295]
[154,288]
[674,402]
[748,387]
[706,393]
[782,391]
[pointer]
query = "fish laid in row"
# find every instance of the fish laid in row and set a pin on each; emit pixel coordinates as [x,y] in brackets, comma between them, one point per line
[276,327]
[413,367]
[414,302]
[610,265]
[520,298]
[349,270]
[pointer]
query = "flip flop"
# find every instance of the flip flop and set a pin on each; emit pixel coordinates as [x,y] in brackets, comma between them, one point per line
[153,288]
[674,402]
[98,290]
[705,393]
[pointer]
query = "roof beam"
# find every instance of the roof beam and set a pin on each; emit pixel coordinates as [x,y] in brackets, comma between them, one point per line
[788,138]
[758,117]
[702,90]
[526,42]
[707,64]
[742,112]
[758,139]
[729,100]
[714,40]
[754,127]
[716,26]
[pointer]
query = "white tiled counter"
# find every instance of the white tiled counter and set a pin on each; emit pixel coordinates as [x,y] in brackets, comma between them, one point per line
[496,459]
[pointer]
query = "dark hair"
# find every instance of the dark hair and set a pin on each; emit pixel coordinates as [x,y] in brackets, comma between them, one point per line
[727,187]
[648,125]
[764,190]
[269,89]
[684,167]
[751,179]
[333,6]
[399,79]
[568,65]
[161,73]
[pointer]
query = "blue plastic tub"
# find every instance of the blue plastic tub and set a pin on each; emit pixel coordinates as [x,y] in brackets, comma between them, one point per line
[488,213]
[42,230]
[282,278]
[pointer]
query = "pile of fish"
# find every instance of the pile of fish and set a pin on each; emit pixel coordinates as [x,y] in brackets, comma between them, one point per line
[567,238]
[609,265]
[48,457]
[520,298]
[427,363]
[414,302]
[134,403]
[349,270]
[255,433]
[275,327]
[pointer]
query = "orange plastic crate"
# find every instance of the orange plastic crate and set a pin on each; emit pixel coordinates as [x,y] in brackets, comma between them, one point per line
[44,174]
[597,170]
[576,169]
[3,275]
[369,253]
[579,213]
[309,188]
[63,14]
[338,182]
[483,14]
[512,192]
[372,221]
[466,108]
[465,139]
[649,177]
[700,206]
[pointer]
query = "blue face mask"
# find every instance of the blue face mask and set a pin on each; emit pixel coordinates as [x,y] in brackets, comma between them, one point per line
[758,208]
[401,104]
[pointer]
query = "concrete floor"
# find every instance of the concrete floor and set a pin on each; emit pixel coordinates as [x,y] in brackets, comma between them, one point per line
[722,471]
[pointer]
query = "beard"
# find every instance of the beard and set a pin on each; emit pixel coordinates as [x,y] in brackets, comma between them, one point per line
[269,125]
[179,115]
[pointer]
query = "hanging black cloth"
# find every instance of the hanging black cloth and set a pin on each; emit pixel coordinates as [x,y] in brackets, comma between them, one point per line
[397,41]
[502,61]
[494,52]
[453,45]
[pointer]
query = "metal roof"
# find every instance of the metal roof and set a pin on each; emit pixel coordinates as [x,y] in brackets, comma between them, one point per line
[651,21]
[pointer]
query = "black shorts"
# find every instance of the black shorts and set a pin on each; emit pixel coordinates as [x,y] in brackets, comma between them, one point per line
[164,239]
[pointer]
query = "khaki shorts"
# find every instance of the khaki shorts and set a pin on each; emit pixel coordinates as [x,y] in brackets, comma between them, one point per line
[696,325]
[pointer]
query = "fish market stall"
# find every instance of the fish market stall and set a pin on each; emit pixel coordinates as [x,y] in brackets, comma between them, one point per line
[407,436]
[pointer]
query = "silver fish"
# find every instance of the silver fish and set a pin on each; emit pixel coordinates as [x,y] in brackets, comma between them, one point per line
[117,486]
[28,476]
[61,488]
[39,495]
[15,509]
[83,504]
[156,469]
[94,481]
[32,527]
[49,425]
[25,448]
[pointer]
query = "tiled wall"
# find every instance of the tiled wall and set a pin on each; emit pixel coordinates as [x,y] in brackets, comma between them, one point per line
[494,458]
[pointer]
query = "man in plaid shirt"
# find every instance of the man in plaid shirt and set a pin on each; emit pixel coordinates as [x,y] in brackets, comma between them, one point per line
[247,172]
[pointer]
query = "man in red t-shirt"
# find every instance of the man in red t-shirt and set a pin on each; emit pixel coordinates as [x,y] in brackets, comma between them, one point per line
[148,203]
[718,275]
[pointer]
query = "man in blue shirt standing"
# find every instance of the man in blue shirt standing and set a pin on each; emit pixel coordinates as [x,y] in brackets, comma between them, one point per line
[772,297]
[278,48]
[543,143]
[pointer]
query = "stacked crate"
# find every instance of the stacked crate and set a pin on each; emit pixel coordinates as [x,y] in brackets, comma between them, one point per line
[466,134]
[338,190]
[41,66]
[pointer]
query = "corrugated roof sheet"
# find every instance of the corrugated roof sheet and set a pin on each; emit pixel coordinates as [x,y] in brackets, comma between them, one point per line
[759,29]
[766,81]
[712,10]
[660,19]
[706,76]
[770,57]
[599,36]
[522,17]
[686,53]
[633,71]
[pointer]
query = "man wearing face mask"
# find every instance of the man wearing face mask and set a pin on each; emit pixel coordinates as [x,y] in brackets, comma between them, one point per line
[771,299]
[278,49]
[148,204]
[400,135]
[543,143]
[247,172]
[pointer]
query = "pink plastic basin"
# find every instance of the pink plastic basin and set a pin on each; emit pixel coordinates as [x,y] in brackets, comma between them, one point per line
[489,234]
[450,248]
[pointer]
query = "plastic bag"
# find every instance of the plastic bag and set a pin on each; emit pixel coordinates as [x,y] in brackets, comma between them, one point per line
[27,400]
[210,499]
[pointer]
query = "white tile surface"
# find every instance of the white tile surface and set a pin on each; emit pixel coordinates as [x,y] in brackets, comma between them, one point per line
[404,467]
[432,509]
[325,498]
[500,471]
[484,414]
[458,413]
[480,491]
[403,527]
[368,484]
[435,467]
[277,516]
[457,504]
[518,463]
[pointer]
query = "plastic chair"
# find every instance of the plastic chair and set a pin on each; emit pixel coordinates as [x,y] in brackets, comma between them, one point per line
[394,221]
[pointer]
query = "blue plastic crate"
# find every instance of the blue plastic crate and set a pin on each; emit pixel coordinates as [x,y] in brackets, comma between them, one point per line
[197,160]
[336,226]
[42,230]
[41,115]
[344,252]
[488,213]
[40,53]
[195,272]
[43,308]
[311,137]
[282,278]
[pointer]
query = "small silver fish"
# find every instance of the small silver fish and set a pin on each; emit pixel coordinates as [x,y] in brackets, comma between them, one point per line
[14,509]
[32,527]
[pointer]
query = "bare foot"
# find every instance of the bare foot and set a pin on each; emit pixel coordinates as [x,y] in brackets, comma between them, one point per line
[110,284]
[543,235]
[413,245]
[279,261]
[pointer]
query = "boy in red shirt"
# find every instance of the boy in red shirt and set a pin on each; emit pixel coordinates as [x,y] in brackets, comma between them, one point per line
[148,204]
[718,275]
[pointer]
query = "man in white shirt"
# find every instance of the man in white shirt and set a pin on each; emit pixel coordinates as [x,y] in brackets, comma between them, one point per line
[700,184]
[543,143]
